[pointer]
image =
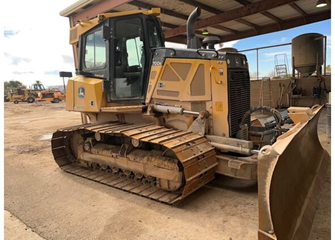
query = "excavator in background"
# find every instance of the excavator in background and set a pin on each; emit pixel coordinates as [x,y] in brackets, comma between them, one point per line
[161,122]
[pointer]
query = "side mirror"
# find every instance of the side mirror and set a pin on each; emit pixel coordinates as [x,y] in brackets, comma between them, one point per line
[107,32]
[64,74]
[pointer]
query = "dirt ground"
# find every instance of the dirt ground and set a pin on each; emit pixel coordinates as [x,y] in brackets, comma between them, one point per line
[16,229]
[57,205]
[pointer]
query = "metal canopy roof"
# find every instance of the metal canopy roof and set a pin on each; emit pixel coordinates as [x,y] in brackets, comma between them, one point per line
[227,19]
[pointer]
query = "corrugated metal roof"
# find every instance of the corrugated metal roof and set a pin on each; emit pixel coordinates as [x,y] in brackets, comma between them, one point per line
[235,26]
[284,12]
[309,6]
[259,19]
[175,13]
[221,5]
[77,7]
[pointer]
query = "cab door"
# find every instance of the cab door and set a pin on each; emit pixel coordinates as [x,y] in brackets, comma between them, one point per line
[129,58]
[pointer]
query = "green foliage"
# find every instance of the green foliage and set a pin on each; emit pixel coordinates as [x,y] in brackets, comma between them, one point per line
[328,68]
[12,84]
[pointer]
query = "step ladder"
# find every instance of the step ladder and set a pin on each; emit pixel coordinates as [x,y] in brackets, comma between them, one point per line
[281,65]
[265,95]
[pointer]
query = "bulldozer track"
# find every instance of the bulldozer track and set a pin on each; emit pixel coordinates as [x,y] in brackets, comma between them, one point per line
[195,154]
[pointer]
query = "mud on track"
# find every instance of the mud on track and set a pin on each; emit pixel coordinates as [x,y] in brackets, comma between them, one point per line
[57,205]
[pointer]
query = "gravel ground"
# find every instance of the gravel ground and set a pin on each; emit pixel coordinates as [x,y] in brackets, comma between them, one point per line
[56,205]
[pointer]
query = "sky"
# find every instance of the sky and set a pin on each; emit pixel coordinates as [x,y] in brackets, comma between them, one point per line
[267,56]
[35,42]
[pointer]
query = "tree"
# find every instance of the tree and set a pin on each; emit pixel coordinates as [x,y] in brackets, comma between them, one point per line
[11,85]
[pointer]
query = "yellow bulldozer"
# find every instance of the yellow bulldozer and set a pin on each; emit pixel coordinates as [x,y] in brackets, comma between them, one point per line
[53,95]
[21,94]
[162,122]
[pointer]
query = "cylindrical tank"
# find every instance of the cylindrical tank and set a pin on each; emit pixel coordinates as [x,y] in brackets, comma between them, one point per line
[228,49]
[307,51]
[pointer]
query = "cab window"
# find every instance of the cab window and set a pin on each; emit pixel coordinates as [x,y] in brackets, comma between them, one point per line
[95,50]
[134,48]
[154,35]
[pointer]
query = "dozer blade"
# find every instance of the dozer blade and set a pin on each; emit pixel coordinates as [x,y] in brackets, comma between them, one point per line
[291,175]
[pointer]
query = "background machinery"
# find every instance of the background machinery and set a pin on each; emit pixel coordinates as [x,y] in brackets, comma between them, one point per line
[21,94]
[37,92]
[53,95]
[162,122]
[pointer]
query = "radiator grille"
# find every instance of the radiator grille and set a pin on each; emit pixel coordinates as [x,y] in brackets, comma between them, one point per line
[239,97]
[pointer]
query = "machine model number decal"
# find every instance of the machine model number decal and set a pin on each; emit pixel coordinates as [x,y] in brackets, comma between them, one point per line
[161,85]
[81,92]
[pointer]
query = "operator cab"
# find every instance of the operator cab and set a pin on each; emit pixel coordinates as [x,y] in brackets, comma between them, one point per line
[118,51]
[38,87]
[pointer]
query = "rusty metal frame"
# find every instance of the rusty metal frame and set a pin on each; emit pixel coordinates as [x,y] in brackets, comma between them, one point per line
[180,15]
[234,14]
[298,9]
[175,33]
[287,24]
[265,13]
[101,7]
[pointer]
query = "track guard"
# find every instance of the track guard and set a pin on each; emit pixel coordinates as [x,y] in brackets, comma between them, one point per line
[291,175]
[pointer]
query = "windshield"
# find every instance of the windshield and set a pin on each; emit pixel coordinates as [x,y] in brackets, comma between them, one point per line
[95,50]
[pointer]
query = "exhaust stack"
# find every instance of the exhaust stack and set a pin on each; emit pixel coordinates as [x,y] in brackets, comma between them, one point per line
[192,41]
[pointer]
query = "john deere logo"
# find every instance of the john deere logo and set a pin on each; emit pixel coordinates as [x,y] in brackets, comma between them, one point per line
[81,92]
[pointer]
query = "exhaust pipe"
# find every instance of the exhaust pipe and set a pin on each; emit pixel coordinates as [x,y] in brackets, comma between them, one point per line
[192,41]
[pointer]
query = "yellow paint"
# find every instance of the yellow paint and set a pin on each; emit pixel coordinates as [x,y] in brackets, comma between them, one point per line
[211,69]
[152,82]
[69,94]
[216,89]
[219,97]
[85,25]
[182,86]
[219,106]
[93,98]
